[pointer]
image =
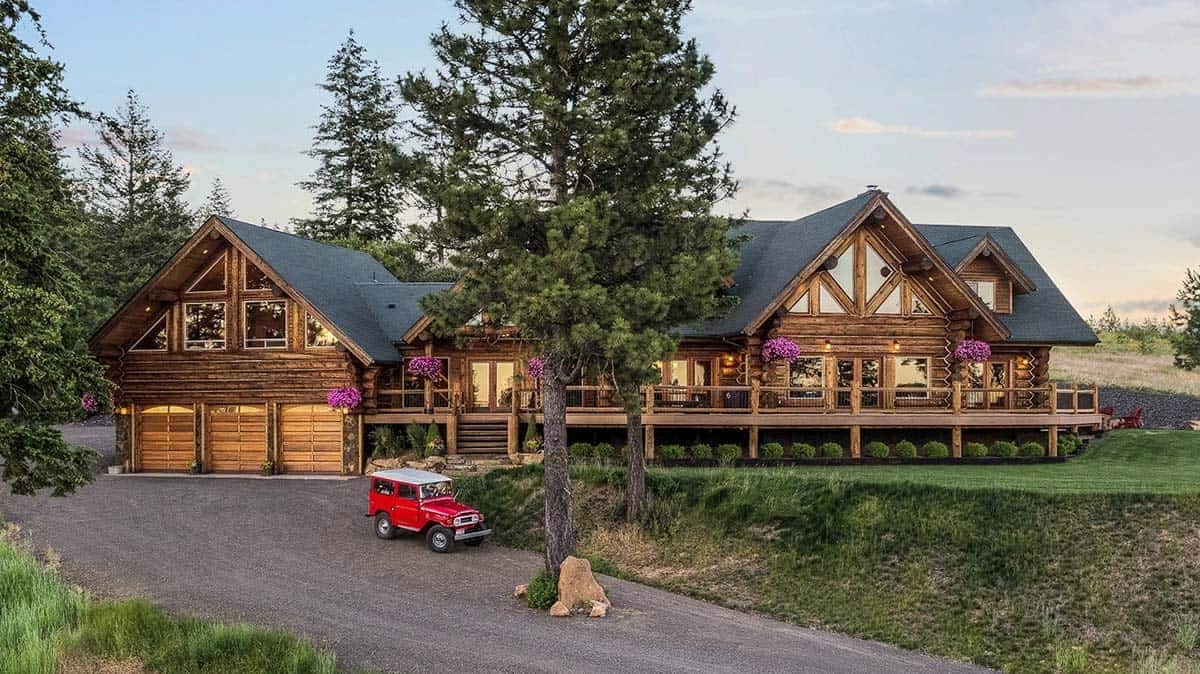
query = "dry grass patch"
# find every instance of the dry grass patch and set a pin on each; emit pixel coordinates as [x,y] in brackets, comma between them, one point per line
[1123,369]
[75,662]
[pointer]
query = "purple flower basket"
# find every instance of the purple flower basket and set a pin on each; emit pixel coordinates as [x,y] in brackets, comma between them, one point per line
[425,366]
[973,351]
[537,367]
[344,399]
[89,403]
[780,348]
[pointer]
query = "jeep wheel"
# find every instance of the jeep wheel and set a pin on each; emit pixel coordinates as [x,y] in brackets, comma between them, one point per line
[383,526]
[440,539]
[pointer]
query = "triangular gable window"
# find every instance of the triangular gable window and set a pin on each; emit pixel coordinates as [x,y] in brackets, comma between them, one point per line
[155,338]
[213,278]
[878,271]
[828,301]
[891,303]
[919,304]
[256,279]
[843,272]
[800,306]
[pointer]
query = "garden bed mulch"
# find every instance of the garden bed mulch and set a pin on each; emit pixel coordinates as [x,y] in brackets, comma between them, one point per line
[863,461]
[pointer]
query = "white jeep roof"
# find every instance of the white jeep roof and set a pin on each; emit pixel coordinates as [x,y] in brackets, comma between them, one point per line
[411,476]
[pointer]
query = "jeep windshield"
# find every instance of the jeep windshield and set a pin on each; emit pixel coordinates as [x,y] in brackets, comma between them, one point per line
[437,489]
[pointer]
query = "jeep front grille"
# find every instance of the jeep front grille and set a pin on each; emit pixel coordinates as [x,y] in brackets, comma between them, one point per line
[465,520]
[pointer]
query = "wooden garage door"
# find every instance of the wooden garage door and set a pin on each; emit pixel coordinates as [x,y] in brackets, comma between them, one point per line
[310,439]
[166,438]
[237,438]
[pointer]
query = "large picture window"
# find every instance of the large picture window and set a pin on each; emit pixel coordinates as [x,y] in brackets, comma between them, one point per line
[807,373]
[204,325]
[912,377]
[317,335]
[266,324]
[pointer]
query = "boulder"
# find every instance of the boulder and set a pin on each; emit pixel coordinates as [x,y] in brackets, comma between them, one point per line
[520,591]
[537,457]
[1190,426]
[435,463]
[599,610]
[577,587]
[376,465]
[560,610]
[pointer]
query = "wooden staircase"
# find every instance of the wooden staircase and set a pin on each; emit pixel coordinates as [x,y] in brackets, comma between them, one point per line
[482,437]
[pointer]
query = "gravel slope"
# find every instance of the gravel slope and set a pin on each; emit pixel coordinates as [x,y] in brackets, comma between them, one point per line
[1162,410]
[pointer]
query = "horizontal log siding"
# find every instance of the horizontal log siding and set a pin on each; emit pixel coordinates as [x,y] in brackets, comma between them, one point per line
[221,377]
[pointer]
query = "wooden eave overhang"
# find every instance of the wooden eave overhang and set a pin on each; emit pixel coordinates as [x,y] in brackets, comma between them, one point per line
[1021,281]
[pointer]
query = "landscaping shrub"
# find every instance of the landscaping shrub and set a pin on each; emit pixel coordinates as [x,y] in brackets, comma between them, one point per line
[1033,449]
[877,450]
[1004,449]
[802,450]
[728,453]
[975,450]
[1068,444]
[542,591]
[434,445]
[671,451]
[579,450]
[832,450]
[416,438]
[935,450]
[603,451]
[386,442]
[772,450]
[905,449]
[532,439]
[702,452]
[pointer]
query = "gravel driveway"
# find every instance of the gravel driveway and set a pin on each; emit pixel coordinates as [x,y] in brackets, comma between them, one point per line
[299,554]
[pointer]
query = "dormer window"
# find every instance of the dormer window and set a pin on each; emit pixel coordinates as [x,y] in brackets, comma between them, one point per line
[986,290]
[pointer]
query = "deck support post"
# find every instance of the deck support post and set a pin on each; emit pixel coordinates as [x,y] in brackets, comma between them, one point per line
[514,425]
[956,442]
[452,434]
[855,442]
[199,414]
[752,447]
[1052,440]
[649,432]
[123,442]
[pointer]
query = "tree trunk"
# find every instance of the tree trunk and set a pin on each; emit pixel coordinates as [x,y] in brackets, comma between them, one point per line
[559,506]
[635,437]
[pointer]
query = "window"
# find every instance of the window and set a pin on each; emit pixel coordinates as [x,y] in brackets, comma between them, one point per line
[912,373]
[316,334]
[828,301]
[677,373]
[256,279]
[891,303]
[204,325]
[986,290]
[702,373]
[384,488]
[807,373]
[266,324]
[213,278]
[918,307]
[843,273]
[155,338]
[406,491]
[437,489]
[877,272]
[800,306]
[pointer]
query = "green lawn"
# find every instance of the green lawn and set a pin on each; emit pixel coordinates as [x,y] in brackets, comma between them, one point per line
[1126,462]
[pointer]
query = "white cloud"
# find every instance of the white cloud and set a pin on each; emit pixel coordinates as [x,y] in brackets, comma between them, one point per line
[863,126]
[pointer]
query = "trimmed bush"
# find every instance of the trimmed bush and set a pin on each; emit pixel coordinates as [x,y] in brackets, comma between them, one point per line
[832,450]
[1033,449]
[702,452]
[877,450]
[772,450]
[671,451]
[579,450]
[728,453]
[542,591]
[603,451]
[975,450]
[935,450]
[1069,444]
[1005,449]
[905,449]
[802,450]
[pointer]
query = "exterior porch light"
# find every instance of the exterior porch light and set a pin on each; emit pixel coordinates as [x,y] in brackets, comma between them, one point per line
[828,345]
[895,345]
[727,359]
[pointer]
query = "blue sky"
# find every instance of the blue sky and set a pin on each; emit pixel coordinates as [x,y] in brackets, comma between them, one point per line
[1073,121]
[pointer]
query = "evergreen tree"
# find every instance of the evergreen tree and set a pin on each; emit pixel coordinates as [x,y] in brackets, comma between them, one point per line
[1186,337]
[217,202]
[355,189]
[134,190]
[565,179]
[44,364]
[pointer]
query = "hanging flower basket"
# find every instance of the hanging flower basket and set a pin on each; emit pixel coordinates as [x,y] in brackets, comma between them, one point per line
[537,367]
[973,351]
[89,403]
[344,399]
[780,348]
[427,367]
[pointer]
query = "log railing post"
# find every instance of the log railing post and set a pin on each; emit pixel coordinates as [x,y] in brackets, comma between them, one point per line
[956,397]
[1053,403]
[1095,398]
[855,397]
[1075,398]
[754,396]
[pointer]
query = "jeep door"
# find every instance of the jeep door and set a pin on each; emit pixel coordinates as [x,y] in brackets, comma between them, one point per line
[406,511]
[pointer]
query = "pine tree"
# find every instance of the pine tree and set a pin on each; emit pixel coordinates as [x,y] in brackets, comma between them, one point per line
[135,203]
[217,202]
[1186,337]
[355,189]
[44,364]
[564,179]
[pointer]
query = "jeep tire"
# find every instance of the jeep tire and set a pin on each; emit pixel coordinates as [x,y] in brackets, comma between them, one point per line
[439,539]
[383,526]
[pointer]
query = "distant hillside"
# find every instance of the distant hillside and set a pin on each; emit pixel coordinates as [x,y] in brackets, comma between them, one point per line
[1121,362]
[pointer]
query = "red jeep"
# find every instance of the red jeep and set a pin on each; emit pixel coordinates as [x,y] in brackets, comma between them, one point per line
[423,502]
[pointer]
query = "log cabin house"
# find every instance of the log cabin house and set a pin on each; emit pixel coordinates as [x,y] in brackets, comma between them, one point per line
[225,356]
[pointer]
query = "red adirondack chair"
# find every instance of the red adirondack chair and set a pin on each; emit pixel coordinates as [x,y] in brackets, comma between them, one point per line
[1132,421]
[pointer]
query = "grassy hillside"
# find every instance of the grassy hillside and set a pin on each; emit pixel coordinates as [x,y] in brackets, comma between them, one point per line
[46,627]
[1122,362]
[1035,568]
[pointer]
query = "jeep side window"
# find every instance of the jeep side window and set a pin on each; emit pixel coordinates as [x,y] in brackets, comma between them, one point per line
[383,487]
[406,491]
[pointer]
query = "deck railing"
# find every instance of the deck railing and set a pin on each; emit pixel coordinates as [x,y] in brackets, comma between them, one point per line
[764,399]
